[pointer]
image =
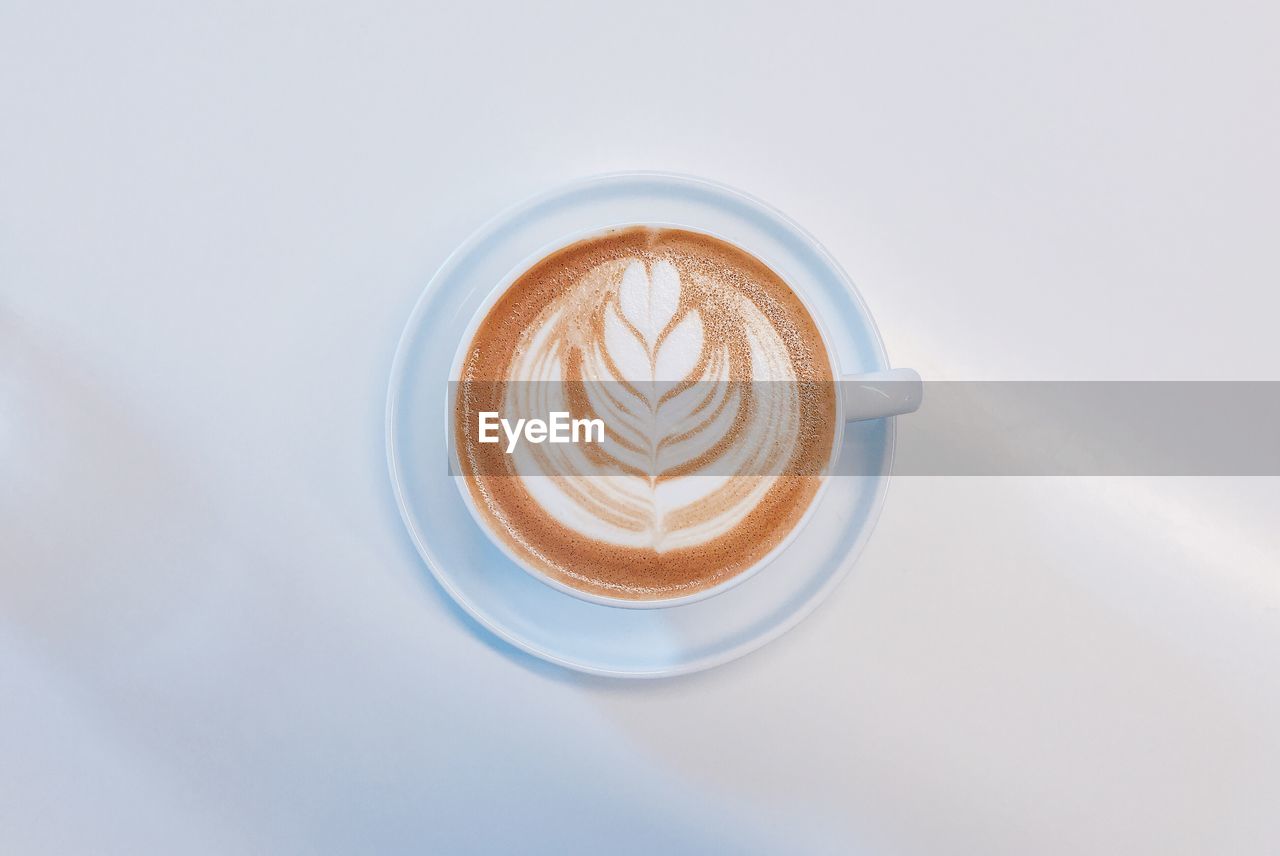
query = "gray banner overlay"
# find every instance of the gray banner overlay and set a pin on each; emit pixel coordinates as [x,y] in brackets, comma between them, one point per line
[1083,428]
[963,428]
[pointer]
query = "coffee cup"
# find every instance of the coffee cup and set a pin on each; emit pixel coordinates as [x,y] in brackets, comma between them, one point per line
[606,560]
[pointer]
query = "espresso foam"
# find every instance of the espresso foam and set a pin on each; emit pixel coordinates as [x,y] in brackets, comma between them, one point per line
[628,310]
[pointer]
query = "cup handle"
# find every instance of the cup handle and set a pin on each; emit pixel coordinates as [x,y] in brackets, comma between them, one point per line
[875,395]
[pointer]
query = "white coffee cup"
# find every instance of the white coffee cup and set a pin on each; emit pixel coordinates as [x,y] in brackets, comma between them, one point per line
[859,397]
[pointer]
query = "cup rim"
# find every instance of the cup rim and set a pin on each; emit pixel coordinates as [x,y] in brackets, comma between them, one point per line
[501,287]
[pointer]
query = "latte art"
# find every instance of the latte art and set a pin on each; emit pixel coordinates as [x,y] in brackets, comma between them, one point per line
[714,387]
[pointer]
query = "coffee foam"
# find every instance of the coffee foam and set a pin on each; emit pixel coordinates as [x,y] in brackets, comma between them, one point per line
[679,322]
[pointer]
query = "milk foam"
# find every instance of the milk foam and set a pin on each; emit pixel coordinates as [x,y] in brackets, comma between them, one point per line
[713,384]
[650,338]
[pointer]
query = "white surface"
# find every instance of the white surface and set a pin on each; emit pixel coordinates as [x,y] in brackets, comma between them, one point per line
[214,635]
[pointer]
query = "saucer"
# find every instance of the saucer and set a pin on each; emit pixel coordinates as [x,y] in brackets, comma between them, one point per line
[560,628]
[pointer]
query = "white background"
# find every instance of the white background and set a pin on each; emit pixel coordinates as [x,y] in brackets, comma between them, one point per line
[215,636]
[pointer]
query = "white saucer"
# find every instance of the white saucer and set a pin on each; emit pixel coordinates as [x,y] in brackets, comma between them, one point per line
[557,627]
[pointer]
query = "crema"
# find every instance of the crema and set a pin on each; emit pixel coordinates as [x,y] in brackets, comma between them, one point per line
[714,390]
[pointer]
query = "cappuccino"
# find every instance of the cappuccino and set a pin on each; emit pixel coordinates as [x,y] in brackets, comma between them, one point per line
[709,380]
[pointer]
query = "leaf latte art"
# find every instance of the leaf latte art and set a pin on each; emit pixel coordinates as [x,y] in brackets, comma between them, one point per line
[713,384]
